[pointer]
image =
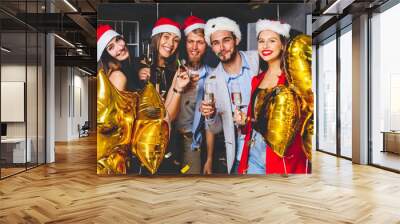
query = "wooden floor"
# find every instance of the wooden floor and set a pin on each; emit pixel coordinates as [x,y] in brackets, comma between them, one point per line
[69,191]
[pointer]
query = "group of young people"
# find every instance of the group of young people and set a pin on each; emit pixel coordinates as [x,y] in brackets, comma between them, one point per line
[212,111]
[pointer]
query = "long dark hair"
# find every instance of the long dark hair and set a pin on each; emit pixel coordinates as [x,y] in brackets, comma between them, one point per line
[170,62]
[263,65]
[110,64]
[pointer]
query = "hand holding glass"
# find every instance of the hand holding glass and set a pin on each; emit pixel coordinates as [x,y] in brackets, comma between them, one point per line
[209,89]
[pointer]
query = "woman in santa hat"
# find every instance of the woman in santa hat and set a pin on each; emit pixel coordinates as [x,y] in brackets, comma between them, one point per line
[163,72]
[169,79]
[114,57]
[257,156]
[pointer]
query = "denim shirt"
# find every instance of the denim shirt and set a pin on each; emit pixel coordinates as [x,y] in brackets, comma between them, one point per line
[197,119]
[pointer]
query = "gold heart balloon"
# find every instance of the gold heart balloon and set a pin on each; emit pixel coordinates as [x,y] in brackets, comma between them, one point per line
[151,135]
[282,114]
[115,116]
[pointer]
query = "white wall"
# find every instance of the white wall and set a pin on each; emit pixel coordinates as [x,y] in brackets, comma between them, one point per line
[71,94]
[16,73]
[33,126]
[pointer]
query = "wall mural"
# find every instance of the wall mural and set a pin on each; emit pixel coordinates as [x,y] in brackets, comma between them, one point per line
[204,89]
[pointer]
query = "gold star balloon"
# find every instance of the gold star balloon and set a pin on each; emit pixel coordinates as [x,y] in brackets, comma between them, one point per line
[299,56]
[151,135]
[283,115]
[129,123]
[115,116]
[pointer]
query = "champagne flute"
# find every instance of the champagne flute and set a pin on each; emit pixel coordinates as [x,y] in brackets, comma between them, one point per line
[209,89]
[236,94]
[147,53]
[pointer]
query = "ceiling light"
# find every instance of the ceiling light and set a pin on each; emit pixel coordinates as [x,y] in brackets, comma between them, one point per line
[338,6]
[65,41]
[70,5]
[5,50]
[84,71]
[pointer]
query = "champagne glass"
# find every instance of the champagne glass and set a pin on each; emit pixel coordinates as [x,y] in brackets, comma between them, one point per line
[236,94]
[193,72]
[147,53]
[209,89]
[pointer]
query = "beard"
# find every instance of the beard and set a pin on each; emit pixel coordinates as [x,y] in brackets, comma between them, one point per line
[194,61]
[230,58]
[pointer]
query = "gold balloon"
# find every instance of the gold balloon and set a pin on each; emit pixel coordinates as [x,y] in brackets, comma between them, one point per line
[151,135]
[299,56]
[283,114]
[116,163]
[115,116]
[307,137]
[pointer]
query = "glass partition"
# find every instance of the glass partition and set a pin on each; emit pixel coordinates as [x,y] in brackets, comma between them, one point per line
[327,95]
[22,88]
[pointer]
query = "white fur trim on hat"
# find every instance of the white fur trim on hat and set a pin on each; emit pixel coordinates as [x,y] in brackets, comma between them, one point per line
[221,23]
[103,41]
[193,27]
[166,28]
[276,26]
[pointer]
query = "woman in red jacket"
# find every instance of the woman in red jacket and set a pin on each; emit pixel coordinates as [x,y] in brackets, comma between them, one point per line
[257,156]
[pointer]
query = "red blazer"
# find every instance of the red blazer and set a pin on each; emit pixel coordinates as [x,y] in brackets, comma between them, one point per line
[294,161]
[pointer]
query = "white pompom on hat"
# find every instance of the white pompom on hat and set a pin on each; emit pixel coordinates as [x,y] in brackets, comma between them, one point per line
[276,26]
[105,34]
[221,24]
[164,25]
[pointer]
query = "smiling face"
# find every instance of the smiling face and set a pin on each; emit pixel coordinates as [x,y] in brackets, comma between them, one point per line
[117,49]
[168,44]
[269,45]
[195,46]
[224,45]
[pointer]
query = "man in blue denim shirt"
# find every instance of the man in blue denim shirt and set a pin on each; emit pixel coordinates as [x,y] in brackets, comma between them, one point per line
[223,35]
[189,122]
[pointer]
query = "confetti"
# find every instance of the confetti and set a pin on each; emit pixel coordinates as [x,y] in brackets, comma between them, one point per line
[185,168]
[168,155]
[177,163]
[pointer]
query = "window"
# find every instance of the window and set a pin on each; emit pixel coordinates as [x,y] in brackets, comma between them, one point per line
[385,88]
[327,95]
[128,29]
[346,92]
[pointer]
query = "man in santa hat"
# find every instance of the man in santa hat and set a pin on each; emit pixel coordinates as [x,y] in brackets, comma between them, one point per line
[234,73]
[189,122]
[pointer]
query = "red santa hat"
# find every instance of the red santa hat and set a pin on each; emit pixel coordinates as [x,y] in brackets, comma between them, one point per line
[221,23]
[191,23]
[166,25]
[105,34]
[276,26]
